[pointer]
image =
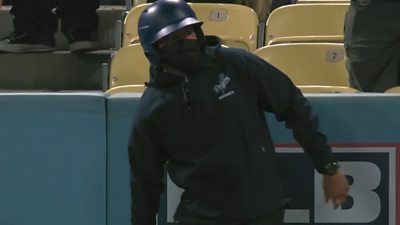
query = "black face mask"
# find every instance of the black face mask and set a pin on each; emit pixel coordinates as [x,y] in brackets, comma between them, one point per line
[185,55]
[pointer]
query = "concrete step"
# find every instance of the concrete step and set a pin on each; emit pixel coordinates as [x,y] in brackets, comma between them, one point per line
[108,15]
[54,71]
[112,2]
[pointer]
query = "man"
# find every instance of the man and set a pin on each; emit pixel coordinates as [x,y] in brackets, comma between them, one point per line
[372,42]
[202,116]
[35,24]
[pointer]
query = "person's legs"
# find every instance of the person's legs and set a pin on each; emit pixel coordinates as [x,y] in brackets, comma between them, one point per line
[273,218]
[372,69]
[261,7]
[278,3]
[79,23]
[34,27]
[372,31]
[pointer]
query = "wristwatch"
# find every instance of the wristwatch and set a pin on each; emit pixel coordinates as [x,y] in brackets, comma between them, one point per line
[330,168]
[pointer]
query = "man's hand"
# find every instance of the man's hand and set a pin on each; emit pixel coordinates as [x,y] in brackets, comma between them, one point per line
[336,188]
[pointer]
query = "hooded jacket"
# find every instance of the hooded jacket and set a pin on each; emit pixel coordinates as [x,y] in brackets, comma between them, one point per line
[209,129]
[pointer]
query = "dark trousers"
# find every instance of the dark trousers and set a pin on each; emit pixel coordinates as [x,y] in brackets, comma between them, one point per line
[278,3]
[38,19]
[372,42]
[273,218]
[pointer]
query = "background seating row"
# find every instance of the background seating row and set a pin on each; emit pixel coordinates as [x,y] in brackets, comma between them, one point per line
[309,50]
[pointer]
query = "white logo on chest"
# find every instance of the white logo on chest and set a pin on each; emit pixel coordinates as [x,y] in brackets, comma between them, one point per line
[221,86]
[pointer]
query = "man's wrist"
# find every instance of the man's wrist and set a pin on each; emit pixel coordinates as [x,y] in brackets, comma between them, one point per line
[330,168]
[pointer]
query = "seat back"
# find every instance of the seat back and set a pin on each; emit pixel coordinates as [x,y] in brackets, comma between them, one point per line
[306,23]
[312,89]
[132,88]
[393,90]
[138,2]
[309,63]
[129,65]
[130,28]
[322,1]
[237,25]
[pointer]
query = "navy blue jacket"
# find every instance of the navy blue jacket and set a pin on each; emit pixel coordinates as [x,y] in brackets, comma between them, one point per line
[210,131]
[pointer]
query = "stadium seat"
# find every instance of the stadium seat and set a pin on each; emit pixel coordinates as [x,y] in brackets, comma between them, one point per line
[310,64]
[133,88]
[237,25]
[306,23]
[322,1]
[129,65]
[393,90]
[309,89]
[130,28]
[138,2]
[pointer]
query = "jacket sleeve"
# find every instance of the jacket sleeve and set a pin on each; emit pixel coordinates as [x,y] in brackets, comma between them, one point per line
[147,168]
[276,93]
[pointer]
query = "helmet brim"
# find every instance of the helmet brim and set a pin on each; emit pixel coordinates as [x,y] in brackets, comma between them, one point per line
[174,27]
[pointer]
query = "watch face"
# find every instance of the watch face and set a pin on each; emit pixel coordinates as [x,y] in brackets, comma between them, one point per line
[331,168]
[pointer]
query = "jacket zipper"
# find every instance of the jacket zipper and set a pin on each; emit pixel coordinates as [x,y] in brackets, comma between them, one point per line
[185,92]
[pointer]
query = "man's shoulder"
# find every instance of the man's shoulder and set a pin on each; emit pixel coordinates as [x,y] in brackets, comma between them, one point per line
[236,54]
[151,99]
[228,50]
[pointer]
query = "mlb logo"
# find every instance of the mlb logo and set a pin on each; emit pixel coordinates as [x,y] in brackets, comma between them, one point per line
[370,169]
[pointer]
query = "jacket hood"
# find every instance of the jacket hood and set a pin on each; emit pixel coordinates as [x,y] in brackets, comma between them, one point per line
[163,75]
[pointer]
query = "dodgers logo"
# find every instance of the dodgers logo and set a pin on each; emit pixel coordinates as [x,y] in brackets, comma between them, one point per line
[221,86]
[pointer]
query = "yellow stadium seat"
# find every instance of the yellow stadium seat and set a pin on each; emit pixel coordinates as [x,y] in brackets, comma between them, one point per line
[393,90]
[133,88]
[309,89]
[129,65]
[306,23]
[237,25]
[310,64]
[130,28]
[138,2]
[322,1]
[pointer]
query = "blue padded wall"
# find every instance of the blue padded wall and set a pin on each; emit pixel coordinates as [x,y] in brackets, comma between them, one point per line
[52,159]
[120,112]
[64,161]
[364,129]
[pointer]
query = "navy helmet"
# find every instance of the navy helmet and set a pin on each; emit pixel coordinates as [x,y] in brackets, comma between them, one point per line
[161,19]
